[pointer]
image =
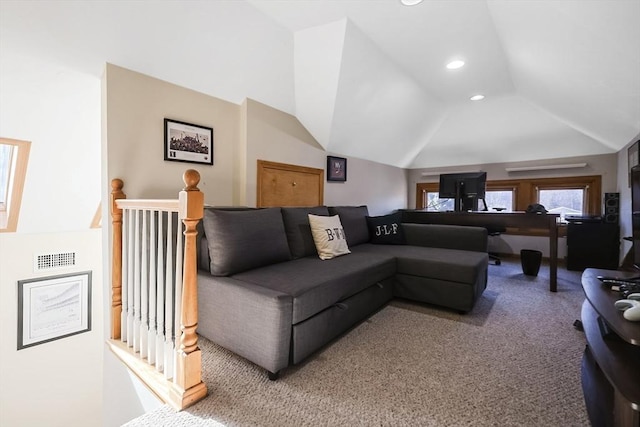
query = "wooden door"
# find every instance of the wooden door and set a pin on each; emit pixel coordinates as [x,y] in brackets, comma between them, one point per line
[280,184]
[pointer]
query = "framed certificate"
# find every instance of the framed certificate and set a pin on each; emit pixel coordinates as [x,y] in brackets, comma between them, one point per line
[54,307]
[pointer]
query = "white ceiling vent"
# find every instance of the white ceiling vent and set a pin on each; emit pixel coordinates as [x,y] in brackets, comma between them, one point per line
[53,261]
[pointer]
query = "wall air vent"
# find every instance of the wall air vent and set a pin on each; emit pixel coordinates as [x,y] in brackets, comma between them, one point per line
[51,261]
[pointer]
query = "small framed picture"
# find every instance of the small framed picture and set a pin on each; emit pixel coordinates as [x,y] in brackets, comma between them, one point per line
[185,142]
[50,308]
[336,168]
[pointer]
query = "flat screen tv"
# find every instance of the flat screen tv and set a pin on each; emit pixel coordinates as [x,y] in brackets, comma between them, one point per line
[465,188]
[635,214]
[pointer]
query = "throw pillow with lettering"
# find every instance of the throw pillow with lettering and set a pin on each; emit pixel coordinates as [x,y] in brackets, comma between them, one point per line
[328,235]
[386,229]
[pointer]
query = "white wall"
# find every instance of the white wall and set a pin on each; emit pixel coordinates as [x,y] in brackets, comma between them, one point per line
[57,383]
[58,110]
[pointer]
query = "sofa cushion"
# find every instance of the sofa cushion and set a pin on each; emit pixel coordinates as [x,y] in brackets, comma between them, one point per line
[296,225]
[243,240]
[451,265]
[315,284]
[354,222]
[328,236]
[387,229]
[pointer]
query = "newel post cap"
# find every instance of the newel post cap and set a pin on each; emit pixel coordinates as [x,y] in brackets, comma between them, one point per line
[191,178]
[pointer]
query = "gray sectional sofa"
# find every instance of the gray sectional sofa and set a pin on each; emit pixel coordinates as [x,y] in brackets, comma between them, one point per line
[264,293]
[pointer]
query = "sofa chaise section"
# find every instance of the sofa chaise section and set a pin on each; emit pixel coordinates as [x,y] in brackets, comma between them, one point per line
[445,265]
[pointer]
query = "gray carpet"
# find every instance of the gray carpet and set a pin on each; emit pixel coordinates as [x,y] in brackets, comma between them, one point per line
[513,361]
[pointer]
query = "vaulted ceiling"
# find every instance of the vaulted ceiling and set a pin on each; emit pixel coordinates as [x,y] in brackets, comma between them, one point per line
[368,79]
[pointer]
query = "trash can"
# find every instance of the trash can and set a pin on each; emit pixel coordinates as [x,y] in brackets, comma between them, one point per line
[530,261]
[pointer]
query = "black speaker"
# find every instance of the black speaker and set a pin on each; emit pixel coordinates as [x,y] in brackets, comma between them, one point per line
[593,244]
[611,208]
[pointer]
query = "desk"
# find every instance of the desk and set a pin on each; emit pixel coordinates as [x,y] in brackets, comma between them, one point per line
[548,222]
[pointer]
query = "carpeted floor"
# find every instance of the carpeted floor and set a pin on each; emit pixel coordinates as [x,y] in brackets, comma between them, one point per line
[513,361]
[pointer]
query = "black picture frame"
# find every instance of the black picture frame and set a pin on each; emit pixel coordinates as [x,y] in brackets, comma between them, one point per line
[186,142]
[54,307]
[336,169]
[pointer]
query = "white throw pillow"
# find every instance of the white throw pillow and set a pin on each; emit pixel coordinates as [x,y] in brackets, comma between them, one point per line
[328,235]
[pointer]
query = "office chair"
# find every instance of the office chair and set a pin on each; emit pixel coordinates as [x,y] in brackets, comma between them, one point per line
[495,231]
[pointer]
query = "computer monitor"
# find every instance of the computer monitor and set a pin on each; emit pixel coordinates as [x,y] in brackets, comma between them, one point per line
[465,188]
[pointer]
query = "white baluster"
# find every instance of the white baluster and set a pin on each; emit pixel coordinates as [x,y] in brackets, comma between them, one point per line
[136,287]
[153,255]
[160,296]
[130,279]
[168,304]
[178,293]
[144,286]
[125,270]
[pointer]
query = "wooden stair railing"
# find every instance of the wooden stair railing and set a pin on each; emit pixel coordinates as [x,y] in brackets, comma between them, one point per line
[154,306]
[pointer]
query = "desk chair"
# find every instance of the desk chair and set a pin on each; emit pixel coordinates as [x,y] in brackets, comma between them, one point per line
[494,231]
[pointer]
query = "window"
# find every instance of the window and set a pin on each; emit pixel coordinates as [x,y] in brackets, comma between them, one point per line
[435,203]
[14,155]
[568,195]
[6,155]
[562,201]
[499,199]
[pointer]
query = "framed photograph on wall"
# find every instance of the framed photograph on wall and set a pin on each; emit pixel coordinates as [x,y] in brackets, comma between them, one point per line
[55,307]
[336,168]
[186,142]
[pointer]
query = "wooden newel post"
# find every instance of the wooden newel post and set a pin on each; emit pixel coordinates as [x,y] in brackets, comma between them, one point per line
[189,366]
[116,263]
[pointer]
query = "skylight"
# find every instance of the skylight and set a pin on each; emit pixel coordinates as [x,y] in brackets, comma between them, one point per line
[14,155]
[454,65]
[6,152]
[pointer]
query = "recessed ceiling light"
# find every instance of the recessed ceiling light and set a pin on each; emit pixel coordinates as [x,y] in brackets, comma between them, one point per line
[477,97]
[410,2]
[454,65]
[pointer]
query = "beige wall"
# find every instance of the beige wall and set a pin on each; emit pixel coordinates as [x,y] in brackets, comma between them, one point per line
[276,136]
[136,106]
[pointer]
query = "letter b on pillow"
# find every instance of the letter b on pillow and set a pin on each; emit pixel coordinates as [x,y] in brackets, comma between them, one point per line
[328,236]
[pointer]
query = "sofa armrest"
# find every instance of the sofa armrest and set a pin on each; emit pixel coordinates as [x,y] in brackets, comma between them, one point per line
[250,320]
[447,236]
